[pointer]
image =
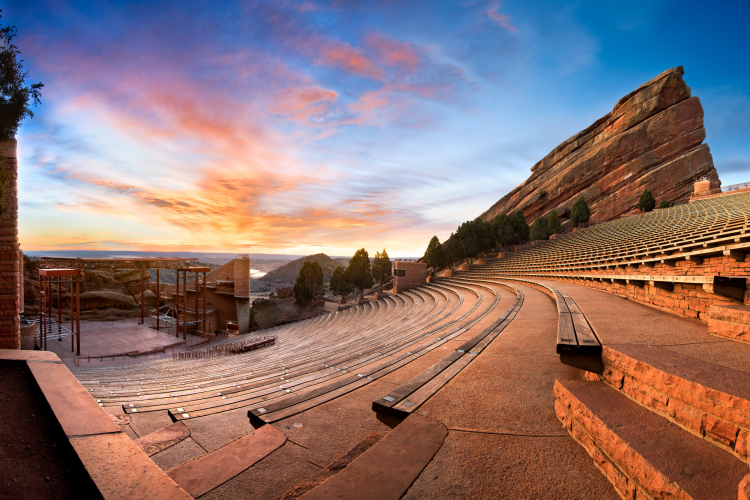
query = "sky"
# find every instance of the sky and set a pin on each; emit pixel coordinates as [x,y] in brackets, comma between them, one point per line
[304,127]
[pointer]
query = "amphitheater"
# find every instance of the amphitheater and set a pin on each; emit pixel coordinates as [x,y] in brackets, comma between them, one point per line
[609,362]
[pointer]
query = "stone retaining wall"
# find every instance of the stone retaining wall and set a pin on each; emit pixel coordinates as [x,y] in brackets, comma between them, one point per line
[10,323]
[718,417]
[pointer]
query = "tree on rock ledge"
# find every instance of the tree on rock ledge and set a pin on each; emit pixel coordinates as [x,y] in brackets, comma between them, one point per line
[580,213]
[646,202]
[553,223]
[539,229]
[309,284]
[359,271]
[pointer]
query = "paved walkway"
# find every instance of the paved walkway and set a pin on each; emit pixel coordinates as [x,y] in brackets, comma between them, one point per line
[504,440]
[618,320]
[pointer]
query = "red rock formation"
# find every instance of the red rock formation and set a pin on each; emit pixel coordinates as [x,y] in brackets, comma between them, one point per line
[652,140]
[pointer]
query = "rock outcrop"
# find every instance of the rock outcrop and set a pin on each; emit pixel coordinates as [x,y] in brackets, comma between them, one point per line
[652,139]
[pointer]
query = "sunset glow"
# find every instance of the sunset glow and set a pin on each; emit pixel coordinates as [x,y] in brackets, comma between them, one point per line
[306,127]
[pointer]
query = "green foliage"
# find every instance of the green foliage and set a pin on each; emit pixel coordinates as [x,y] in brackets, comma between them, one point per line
[539,229]
[434,256]
[14,94]
[580,213]
[340,284]
[519,226]
[271,295]
[382,267]
[646,202]
[553,223]
[504,233]
[452,250]
[359,271]
[309,284]
[666,204]
[486,234]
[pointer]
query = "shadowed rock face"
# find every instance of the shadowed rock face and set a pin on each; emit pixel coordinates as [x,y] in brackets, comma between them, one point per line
[652,140]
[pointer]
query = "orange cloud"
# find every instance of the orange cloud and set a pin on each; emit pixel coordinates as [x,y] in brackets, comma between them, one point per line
[342,55]
[301,104]
[393,52]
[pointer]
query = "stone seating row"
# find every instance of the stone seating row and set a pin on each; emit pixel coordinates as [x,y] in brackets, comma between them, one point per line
[408,397]
[219,393]
[641,237]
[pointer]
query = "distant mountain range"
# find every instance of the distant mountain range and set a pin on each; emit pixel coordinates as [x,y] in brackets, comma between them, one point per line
[288,272]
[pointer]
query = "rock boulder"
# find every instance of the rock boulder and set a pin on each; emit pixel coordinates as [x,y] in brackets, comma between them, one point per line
[652,139]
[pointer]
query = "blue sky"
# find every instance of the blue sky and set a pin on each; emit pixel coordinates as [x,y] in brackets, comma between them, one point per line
[300,127]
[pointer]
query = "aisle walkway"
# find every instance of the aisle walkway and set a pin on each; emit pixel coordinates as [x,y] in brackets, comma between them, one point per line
[504,439]
[618,320]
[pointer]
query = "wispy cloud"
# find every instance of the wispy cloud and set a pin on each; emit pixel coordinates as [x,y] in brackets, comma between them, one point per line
[502,20]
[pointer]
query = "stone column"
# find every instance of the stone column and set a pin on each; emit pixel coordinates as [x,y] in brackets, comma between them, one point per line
[242,291]
[10,333]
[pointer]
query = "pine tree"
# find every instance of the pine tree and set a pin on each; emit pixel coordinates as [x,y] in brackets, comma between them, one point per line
[539,229]
[580,213]
[553,223]
[666,204]
[340,284]
[646,202]
[359,271]
[504,232]
[309,284]
[519,226]
[434,256]
[382,267]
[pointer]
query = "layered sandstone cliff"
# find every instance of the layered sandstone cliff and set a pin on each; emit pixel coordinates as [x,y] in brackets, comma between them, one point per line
[652,139]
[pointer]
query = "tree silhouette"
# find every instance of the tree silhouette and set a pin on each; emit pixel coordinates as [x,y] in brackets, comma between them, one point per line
[382,268]
[359,271]
[14,94]
[309,284]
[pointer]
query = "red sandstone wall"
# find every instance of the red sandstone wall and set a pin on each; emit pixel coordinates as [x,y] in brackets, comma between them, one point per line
[10,333]
[652,140]
[416,275]
[242,276]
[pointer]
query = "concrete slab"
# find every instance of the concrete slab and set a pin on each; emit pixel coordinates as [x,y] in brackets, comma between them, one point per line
[144,424]
[479,465]
[321,431]
[16,355]
[208,472]
[121,471]
[181,453]
[163,438]
[269,478]
[214,431]
[386,470]
[75,409]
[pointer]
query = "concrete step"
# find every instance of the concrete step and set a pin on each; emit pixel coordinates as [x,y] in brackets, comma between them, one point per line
[642,454]
[708,400]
